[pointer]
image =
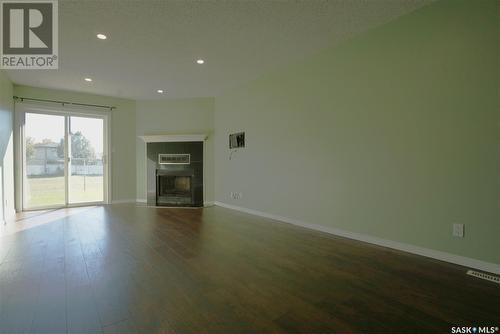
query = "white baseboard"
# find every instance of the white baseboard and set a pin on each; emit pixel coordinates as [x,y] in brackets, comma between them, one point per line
[209,203]
[121,201]
[10,216]
[434,254]
[141,200]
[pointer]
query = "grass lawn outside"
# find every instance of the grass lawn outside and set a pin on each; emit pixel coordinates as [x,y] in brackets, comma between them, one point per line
[49,191]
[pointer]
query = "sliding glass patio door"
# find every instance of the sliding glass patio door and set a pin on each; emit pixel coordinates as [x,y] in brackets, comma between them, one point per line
[86,166]
[64,160]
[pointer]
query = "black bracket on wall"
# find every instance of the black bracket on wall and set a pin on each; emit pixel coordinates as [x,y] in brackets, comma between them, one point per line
[237,140]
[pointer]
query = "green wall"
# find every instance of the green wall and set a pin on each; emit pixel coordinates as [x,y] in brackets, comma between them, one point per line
[175,116]
[122,133]
[393,134]
[6,148]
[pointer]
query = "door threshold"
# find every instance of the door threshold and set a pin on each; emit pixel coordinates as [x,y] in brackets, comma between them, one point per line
[58,207]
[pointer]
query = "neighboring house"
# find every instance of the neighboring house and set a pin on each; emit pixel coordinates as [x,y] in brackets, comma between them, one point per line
[45,160]
[47,151]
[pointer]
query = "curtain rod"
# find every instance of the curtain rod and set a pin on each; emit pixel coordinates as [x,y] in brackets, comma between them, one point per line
[64,102]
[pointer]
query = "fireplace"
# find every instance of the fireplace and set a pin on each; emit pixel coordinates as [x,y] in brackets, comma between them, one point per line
[174,188]
[175,174]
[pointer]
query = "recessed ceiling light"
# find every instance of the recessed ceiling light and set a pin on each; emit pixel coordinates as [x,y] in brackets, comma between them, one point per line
[200,61]
[88,79]
[101,36]
[160,91]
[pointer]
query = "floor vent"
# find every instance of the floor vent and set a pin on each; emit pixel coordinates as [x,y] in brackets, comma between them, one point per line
[487,277]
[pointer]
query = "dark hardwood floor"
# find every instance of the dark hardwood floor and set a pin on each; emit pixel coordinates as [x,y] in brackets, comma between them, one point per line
[132,269]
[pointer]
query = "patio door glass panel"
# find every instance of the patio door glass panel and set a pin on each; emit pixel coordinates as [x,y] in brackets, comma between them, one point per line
[44,184]
[86,179]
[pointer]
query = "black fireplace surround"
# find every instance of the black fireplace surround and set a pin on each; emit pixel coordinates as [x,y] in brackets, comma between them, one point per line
[175,184]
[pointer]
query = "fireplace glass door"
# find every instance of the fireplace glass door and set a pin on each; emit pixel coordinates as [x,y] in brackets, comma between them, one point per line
[174,190]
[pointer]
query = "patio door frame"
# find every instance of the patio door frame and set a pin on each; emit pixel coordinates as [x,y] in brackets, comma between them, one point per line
[23,108]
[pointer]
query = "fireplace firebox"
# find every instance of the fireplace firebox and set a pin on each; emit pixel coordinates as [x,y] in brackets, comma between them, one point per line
[174,188]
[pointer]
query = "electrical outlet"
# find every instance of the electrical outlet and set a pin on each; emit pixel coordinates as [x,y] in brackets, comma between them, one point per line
[458,230]
[236,195]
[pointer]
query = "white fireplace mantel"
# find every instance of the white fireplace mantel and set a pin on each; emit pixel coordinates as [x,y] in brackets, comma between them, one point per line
[173,138]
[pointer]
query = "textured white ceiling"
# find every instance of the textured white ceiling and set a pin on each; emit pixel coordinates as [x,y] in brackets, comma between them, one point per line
[154,44]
